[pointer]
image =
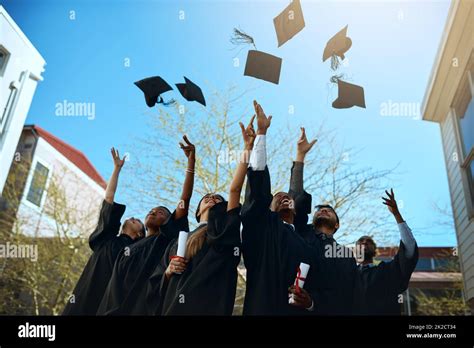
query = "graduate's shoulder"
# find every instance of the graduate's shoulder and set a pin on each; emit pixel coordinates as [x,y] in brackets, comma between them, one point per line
[138,247]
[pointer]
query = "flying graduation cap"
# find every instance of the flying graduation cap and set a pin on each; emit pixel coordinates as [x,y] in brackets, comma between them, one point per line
[263,66]
[152,88]
[349,95]
[259,64]
[337,46]
[191,92]
[289,22]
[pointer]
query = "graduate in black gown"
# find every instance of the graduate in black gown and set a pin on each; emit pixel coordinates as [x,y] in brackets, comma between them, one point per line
[106,242]
[379,287]
[204,281]
[333,277]
[272,250]
[126,291]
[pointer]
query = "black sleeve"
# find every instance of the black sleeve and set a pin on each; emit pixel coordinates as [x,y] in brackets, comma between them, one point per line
[156,285]
[300,196]
[173,226]
[113,295]
[257,196]
[223,227]
[401,268]
[108,225]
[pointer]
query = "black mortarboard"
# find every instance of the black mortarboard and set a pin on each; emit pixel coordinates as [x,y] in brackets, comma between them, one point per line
[191,92]
[153,87]
[349,95]
[289,22]
[263,66]
[337,45]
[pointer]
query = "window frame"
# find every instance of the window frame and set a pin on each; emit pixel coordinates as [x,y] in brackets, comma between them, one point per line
[30,181]
[465,158]
[7,59]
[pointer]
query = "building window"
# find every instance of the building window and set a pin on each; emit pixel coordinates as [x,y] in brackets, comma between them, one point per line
[465,124]
[424,264]
[3,59]
[466,128]
[38,184]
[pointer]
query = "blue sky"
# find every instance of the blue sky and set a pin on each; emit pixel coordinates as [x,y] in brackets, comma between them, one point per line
[393,50]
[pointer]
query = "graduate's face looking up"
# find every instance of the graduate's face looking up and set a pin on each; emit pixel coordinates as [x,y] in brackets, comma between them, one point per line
[156,217]
[134,228]
[282,202]
[369,247]
[208,202]
[325,216]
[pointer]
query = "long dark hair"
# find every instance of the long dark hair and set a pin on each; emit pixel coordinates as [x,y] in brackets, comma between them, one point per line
[196,241]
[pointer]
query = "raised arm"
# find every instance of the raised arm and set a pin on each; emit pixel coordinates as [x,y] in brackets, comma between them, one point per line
[404,263]
[190,152]
[258,191]
[302,148]
[112,184]
[108,225]
[301,197]
[258,157]
[406,236]
[248,135]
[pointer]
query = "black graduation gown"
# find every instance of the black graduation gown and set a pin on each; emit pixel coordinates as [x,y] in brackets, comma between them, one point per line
[272,252]
[378,287]
[106,246]
[334,279]
[126,291]
[208,285]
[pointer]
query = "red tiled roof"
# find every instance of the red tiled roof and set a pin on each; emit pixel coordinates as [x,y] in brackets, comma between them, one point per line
[73,154]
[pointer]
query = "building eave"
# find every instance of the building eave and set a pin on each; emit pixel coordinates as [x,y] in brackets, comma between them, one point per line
[428,116]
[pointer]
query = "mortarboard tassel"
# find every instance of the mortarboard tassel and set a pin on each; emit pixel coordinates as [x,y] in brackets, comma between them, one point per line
[241,38]
[167,103]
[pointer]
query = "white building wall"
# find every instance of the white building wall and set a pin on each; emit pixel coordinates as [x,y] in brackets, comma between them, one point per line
[18,81]
[464,225]
[78,202]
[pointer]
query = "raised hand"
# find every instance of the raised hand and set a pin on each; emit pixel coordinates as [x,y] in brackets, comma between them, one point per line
[118,163]
[303,146]
[113,181]
[391,203]
[189,149]
[263,122]
[248,134]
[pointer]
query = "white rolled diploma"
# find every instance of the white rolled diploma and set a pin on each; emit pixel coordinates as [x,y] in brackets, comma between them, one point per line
[304,268]
[182,239]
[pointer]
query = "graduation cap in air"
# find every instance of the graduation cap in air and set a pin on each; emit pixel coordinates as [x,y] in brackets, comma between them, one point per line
[337,45]
[263,66]
[153,87]
[191,92]
[349,95]
[289,22]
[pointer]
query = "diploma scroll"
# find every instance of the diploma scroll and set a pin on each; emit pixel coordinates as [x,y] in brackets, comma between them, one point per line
[181,252]
[301,275]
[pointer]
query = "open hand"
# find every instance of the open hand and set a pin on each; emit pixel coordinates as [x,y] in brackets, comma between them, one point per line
[189,149]
[248,134]
[303,146]
[391,203]
[263,122]
[118,163]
